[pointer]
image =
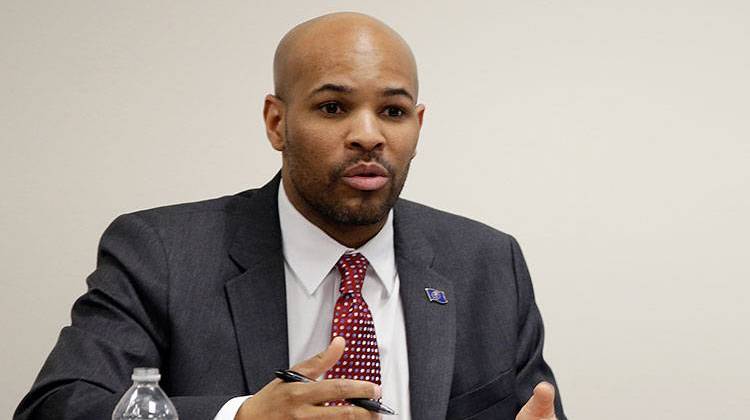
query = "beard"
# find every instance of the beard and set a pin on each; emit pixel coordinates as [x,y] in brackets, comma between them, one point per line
[319,191]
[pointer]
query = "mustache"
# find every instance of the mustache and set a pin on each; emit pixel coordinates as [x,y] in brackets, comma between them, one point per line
[370,157]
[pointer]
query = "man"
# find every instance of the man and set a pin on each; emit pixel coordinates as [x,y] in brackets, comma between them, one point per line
[219,294]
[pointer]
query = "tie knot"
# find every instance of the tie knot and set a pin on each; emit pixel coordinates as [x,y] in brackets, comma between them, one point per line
[353,268]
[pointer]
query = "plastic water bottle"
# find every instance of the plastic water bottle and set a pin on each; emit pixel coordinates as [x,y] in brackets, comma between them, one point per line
[145,399]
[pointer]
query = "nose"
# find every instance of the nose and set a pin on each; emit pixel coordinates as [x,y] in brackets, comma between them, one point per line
[365,133]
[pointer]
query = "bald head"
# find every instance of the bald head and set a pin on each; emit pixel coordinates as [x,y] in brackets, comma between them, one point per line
[336,41]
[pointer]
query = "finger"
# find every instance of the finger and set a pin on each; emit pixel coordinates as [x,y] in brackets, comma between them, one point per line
[542,403]
[321,362]
[338,412]
[338,389]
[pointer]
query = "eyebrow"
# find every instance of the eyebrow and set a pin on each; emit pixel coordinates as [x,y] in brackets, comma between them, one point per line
[332,87]
[397,92]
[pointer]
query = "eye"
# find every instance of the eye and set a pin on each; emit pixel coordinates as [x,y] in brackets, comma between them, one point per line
[394,112]
[331,108]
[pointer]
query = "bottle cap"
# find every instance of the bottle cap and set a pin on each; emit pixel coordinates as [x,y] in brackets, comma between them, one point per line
[143,374]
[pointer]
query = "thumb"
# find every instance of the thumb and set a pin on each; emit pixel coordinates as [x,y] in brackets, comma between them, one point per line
[541,405]
[321,362]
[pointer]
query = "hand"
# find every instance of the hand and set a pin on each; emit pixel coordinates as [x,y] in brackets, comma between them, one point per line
[280,400]
[541,405]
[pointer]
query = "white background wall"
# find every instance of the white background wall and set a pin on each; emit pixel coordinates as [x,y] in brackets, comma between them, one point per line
[610,137]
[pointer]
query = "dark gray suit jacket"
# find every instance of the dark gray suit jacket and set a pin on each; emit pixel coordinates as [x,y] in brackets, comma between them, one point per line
[198,291]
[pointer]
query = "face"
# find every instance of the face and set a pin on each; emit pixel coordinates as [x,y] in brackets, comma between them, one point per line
[350,129]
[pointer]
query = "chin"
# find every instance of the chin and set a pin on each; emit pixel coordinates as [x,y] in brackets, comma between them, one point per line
[361,214]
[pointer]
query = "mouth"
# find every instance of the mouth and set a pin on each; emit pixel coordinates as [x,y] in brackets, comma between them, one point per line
[366,177]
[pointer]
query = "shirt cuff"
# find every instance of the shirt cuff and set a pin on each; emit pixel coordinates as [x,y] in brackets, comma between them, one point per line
[230,408]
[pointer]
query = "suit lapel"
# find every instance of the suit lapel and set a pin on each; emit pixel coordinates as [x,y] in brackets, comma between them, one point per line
[430,326]
[257,296]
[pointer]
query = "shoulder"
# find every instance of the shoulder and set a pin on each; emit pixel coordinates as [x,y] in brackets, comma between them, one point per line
[208,208]
[478,256]
[450,229]
[191,220]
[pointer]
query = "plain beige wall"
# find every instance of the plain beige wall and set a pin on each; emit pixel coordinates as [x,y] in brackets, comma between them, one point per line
[610,137]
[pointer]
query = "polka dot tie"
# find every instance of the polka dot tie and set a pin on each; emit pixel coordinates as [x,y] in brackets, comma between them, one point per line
[353,321]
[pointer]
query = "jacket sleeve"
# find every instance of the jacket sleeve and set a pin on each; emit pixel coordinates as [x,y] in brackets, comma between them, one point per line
[530,365]
[121,322]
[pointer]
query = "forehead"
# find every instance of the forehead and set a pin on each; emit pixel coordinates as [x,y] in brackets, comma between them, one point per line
[361,60]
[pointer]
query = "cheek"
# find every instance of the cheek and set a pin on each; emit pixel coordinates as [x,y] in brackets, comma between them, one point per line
[310,149]
[404,148]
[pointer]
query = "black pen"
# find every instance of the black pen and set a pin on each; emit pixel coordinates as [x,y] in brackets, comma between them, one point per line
[366,403]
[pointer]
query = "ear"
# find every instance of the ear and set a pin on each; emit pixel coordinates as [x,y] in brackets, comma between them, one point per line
[274,117]
[420,116]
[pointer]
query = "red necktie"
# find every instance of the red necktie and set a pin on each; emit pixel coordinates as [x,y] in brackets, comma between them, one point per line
[353,321]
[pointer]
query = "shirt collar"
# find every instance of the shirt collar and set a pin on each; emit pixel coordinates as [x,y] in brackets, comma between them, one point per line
[312,254]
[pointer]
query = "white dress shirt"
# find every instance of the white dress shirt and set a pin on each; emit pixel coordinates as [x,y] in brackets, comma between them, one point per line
[312,288]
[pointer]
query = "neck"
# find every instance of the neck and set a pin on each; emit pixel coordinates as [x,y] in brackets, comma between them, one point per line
[352,236]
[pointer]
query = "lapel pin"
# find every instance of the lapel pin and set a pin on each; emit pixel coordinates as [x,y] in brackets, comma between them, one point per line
[436,295]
